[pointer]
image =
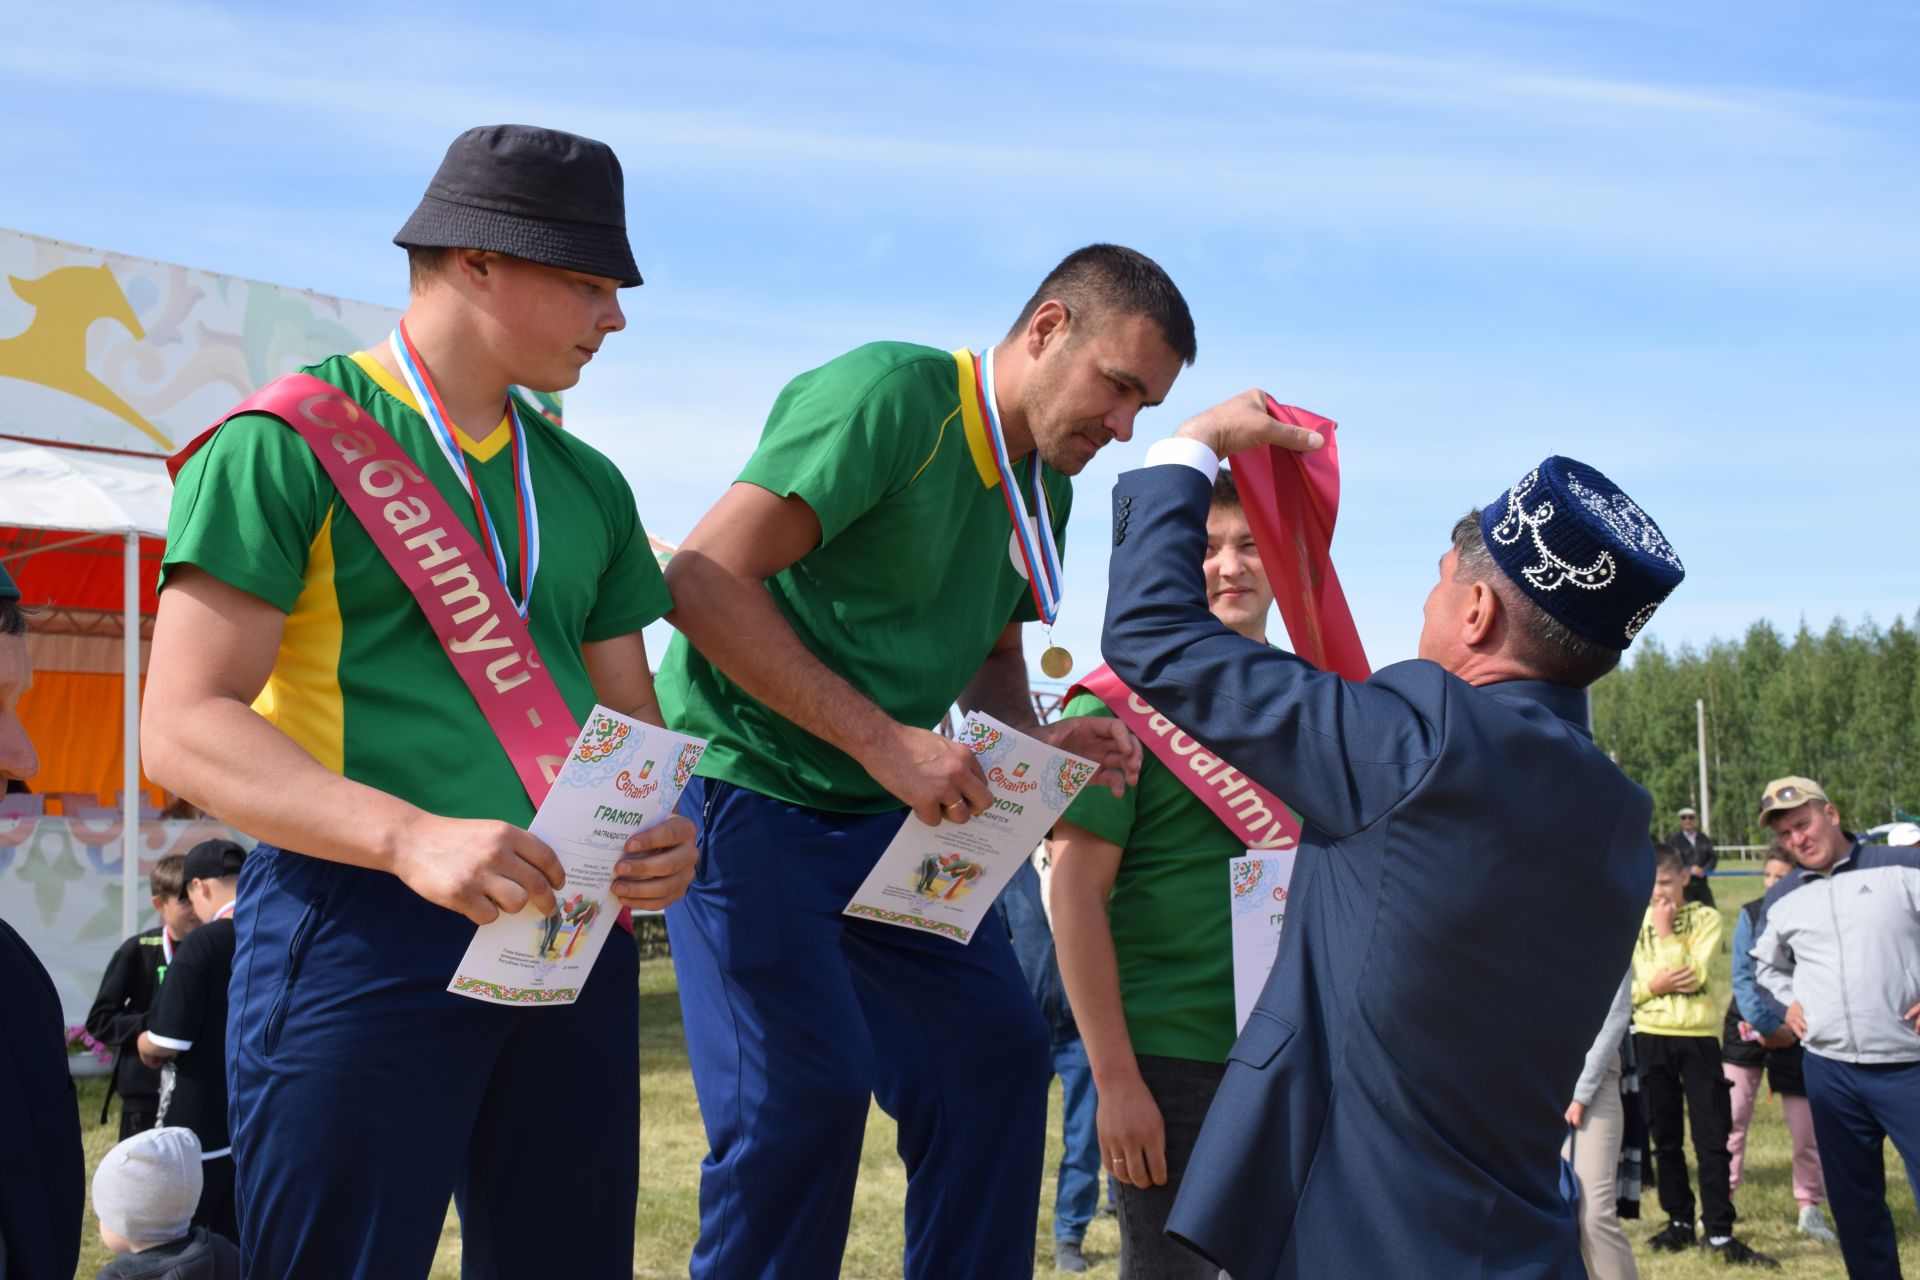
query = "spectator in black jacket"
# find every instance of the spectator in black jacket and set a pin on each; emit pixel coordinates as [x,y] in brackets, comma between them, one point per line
[188,1026]
[119,1012]
[42,1171]
[1696,846]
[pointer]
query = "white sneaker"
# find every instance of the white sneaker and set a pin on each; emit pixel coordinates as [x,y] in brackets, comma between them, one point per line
[1813,1223]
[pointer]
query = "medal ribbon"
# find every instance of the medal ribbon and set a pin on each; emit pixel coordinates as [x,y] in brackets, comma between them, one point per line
[414,371]
[166,945]
[1042,556]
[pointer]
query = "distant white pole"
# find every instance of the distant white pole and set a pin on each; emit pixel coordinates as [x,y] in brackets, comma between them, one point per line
[1706,803]
[130,738]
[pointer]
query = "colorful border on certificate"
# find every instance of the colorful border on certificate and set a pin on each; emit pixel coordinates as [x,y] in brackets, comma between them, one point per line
[907,918]
[515,995]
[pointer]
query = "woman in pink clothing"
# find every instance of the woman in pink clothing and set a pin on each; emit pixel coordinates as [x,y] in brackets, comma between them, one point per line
[1756,1036]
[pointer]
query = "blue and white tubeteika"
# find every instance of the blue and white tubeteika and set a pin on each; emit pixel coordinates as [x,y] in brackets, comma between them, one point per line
[1566,524]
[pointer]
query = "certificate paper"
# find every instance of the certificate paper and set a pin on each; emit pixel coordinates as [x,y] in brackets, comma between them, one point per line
[943,879]
[1258,887]
[621,776]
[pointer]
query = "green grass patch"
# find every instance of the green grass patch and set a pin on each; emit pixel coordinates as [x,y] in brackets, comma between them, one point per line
[672,1145]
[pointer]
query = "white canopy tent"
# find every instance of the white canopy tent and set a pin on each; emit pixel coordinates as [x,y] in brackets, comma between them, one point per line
[71,498]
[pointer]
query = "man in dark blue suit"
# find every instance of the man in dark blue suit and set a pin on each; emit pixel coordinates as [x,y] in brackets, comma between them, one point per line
[1471,873]
[42,1171]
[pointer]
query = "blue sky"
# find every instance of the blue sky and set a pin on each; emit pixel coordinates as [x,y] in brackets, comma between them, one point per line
[1677,241]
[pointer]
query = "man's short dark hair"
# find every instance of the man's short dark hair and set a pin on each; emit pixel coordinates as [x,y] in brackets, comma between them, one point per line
[1547,646]
[424,264]
[1226,495]
[1667,858]
[1103,281]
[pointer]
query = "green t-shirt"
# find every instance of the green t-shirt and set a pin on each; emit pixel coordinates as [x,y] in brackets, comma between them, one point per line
[914,579]
[1169,913]
[360,680]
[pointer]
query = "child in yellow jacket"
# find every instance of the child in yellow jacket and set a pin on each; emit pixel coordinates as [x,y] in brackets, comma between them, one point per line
[1677,1011]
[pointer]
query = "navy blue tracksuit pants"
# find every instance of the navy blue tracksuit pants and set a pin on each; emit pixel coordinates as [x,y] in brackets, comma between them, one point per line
[364,1094]
[797,1015]
[1856,1108]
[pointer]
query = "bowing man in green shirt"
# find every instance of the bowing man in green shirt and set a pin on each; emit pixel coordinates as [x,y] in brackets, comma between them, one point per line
[862,574]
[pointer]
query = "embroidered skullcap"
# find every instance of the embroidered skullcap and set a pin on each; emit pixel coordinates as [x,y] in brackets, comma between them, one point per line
[1582,550]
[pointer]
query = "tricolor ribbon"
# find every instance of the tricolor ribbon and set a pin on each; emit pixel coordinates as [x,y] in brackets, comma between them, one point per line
[414,371]
[1042,556]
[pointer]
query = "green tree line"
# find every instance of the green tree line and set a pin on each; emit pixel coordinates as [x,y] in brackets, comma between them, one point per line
[1840,706]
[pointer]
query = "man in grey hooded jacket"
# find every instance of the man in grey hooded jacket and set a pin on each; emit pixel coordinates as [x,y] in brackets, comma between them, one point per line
[1838,944]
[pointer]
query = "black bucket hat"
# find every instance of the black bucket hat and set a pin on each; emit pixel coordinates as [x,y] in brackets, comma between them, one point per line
[549,197]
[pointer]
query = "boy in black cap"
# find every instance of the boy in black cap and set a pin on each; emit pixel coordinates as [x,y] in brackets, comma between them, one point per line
[186,1035]
[326,595]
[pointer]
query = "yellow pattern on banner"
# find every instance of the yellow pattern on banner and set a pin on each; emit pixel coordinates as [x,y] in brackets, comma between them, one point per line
[53,351]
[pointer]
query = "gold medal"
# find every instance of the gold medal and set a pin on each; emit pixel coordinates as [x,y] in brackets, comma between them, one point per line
[1056,662]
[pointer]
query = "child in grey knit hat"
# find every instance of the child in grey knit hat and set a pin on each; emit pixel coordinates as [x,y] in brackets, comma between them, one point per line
[144,1193]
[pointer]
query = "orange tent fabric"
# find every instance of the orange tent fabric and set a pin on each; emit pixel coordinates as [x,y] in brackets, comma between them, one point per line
[73,719]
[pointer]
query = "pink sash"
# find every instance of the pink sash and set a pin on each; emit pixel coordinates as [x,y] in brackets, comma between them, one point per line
[452,579]
[1291,500]
[1254,814]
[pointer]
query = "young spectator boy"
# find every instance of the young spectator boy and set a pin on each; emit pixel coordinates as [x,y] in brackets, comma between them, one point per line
[189,1026]
[1756,1036]
[1142,915]
[133,976]
[1676,1021]
[144,1193]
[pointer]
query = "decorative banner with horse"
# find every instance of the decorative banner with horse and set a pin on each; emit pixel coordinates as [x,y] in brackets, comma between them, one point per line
[105,351]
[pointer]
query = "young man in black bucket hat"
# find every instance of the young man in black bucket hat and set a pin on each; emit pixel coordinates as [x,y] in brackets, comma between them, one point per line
[301,690]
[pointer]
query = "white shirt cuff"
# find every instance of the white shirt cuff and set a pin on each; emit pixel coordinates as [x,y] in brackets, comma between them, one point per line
[1185,452]
[168,1042]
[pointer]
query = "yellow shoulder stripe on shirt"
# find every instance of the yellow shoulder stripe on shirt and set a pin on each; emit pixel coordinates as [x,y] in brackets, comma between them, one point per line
[479,450]
[977,443]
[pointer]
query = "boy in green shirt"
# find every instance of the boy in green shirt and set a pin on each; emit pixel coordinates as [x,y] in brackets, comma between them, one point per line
[1144,933]
[298,691]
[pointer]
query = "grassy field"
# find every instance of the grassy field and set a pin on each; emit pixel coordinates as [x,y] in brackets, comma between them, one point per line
[671,1146]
